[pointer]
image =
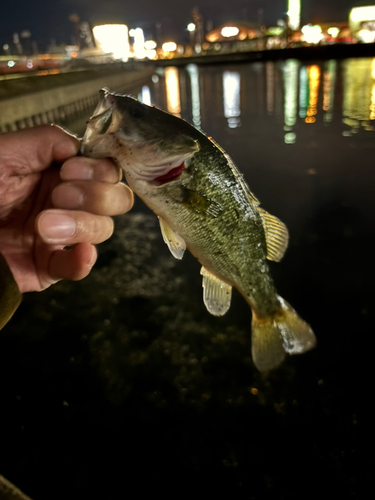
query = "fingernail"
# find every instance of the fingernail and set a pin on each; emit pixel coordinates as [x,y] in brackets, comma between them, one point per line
[77,170]
[56,227]
[85,172]
[68,196]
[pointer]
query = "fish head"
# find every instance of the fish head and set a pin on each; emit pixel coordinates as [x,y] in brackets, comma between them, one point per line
[148,143]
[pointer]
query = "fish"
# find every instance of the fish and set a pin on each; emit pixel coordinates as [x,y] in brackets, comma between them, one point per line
[204,205]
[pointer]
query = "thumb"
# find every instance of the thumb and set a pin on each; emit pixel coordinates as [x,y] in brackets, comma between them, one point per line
[35,149]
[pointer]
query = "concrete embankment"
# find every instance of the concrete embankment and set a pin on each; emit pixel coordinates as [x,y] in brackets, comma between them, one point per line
[59,98]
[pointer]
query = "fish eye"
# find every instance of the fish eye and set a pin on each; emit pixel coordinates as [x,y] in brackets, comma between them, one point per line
[137,111]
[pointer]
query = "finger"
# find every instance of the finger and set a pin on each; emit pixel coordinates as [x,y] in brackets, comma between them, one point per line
[70,227]
[98,198]
[41,146]
[74,264]
[81,168]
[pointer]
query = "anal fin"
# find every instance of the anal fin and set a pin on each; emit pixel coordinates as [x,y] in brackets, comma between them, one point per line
[175,243]
[216,294]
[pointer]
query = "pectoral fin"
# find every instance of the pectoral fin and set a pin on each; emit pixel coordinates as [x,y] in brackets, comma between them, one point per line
[10,296]
[175,243]
[216,294]
[277,235]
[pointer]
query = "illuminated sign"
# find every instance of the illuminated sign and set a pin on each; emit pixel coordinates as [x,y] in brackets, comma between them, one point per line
[294,14]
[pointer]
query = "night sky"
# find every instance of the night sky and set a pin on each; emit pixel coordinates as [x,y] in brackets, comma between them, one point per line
[48,20]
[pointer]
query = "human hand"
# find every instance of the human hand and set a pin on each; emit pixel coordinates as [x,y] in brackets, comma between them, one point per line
[44,208]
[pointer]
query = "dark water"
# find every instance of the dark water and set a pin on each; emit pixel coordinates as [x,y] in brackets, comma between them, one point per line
[124,381]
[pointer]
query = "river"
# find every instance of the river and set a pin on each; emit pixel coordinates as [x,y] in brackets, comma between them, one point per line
[123,381]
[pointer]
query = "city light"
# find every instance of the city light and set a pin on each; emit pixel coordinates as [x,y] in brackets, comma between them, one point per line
[139,44]
[146,95]
[312,34]
[333,31]
[294,14]
[11,64]
[113,38]
[151,54]
[366,36]
[169,46]
[150,44]
[229,31]
[191,27]
[359,14]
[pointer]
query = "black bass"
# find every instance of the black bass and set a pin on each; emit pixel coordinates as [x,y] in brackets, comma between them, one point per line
[203,204]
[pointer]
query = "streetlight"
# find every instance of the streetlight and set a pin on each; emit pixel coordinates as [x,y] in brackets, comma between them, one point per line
[191,29]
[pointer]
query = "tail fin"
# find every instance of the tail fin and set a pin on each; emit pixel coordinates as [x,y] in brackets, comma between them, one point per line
[273,337]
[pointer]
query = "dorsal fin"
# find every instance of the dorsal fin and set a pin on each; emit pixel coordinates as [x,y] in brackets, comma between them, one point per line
[216,294]
[175,243]
[277,235]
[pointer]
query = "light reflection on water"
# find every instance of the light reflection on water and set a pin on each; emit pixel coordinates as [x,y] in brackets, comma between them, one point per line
[303,127]
[231,98]
[173,91]
[307,93]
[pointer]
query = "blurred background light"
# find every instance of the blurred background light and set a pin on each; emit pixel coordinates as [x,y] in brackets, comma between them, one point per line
[294,14]
[113,38]
[146,95]
[139,44]
[229,31]
[333,31]
[169,46]
[150,44]
[312,34]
